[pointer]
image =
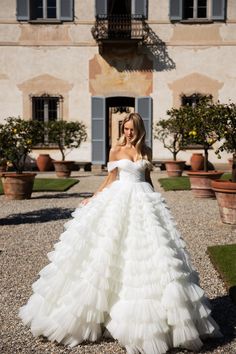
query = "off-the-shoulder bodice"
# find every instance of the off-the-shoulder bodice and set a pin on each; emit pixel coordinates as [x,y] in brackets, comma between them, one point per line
[129,171]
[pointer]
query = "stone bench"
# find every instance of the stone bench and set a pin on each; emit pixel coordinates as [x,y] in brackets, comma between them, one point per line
[83,165]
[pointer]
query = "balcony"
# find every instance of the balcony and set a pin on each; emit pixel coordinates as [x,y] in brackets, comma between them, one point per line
[118,28]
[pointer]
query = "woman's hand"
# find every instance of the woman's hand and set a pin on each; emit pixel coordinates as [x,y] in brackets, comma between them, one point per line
[85,201]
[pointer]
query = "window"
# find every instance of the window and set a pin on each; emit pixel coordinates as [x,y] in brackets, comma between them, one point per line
[46,109]
[197,10]
[45,10]
[191,100]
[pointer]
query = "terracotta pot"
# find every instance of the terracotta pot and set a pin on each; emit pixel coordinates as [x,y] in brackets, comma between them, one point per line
[197,162]
[63,168]
[225,192]
[174,168]
[201,183]
[44,162]
[18,185]
[230,160]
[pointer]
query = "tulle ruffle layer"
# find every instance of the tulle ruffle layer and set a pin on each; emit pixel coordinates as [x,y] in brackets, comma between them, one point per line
[121,265]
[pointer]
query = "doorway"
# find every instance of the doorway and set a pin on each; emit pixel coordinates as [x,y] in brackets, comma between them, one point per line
[107,115]
[119,19]
[116,110]
[119,7]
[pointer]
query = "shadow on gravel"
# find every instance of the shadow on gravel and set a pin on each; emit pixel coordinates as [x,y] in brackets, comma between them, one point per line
[37,216]
[224,313]
[54,195]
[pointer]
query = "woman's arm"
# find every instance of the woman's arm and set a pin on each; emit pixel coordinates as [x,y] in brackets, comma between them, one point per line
[111,177]
[148,171]
[148,177]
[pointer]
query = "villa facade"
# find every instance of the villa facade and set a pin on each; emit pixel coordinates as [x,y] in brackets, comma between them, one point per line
[96,60]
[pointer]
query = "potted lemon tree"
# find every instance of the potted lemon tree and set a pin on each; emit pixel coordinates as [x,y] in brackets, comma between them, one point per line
[67,136]
[17,139]
[170,132]
[225,190]
[201,129]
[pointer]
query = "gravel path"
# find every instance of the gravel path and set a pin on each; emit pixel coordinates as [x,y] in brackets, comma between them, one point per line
[30,228]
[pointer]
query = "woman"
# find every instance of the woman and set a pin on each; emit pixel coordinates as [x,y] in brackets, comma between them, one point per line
[121,266]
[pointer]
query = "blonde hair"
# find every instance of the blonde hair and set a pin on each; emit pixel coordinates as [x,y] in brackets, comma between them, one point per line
[138,139]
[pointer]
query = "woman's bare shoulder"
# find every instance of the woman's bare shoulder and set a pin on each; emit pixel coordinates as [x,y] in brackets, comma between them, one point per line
[114,152]
[116,148]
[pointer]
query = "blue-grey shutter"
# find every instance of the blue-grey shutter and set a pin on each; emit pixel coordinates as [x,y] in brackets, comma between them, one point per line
[143,106]
[67,10]
[218,9]
[101,8]
[98,130]
[22,10]
[176,10]
[139,8]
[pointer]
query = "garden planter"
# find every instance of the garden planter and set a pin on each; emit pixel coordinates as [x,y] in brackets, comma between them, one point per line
[174,168]
[63,168]
[201,183]
[3,168]
[44,162]
[225,192]
[18,185]
[197,162]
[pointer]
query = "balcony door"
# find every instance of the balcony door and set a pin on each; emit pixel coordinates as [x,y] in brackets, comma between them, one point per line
[119,19]
[137,8]
[119,7]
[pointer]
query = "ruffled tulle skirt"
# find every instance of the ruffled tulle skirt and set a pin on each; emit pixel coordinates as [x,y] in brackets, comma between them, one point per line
[120,266]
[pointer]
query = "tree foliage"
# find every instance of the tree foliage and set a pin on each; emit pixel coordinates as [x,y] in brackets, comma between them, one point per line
[227,132]
[66,135]
[202,125]
[17,139]
[171,131]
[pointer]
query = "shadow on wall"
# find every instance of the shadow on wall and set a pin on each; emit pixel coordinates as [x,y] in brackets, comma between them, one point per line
[148,54]
[157,48]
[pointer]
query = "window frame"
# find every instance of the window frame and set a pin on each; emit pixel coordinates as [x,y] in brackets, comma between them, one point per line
[195,11]
[195,97]
[46,97]
[25,12]
[177,12]
[45,9]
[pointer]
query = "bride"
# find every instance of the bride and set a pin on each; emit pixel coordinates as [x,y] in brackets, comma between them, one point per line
[120,267]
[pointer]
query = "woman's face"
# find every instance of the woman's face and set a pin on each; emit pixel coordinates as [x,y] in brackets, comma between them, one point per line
[129,130]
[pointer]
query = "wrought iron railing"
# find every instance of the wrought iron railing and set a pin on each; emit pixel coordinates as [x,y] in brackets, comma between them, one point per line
[118,27]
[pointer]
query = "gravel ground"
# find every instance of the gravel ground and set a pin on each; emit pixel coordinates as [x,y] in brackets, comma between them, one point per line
[30,228]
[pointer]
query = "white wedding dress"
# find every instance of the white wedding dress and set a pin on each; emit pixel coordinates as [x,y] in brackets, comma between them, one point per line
[120,267]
